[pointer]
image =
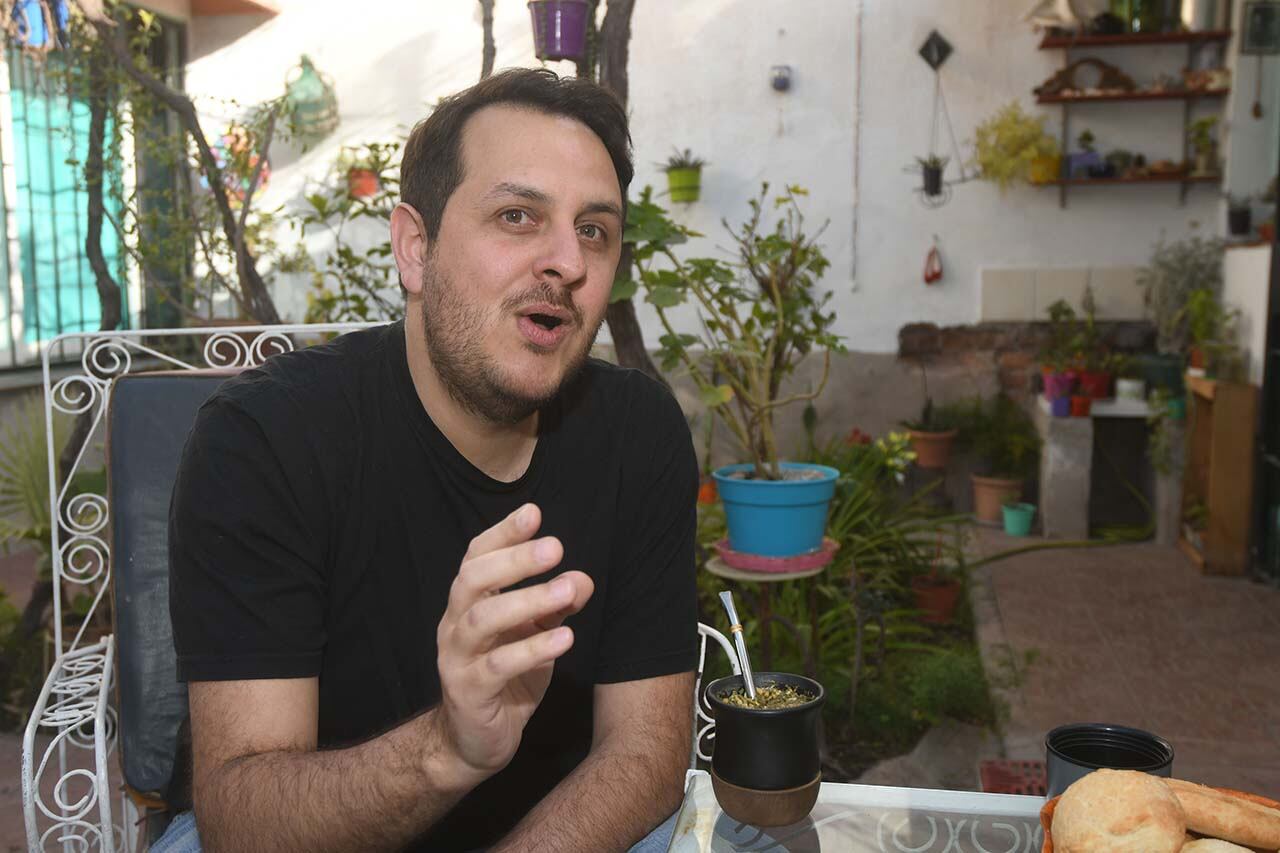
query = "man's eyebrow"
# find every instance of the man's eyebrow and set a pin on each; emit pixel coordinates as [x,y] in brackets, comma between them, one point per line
[507,188]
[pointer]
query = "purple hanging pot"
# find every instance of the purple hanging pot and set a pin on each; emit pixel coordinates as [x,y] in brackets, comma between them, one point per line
[559,28]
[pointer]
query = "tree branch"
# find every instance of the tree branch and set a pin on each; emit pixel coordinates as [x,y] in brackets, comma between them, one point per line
[490,50]
[257,299]
[108,289]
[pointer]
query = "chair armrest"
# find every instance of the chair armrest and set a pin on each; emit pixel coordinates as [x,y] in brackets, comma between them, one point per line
[72,711]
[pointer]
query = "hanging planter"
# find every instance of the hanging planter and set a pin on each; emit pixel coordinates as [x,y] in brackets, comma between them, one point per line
[311,104]
[684,176]
[559,29]
[931,169]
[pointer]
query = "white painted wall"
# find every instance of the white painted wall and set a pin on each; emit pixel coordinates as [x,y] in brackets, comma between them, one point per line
[700,79]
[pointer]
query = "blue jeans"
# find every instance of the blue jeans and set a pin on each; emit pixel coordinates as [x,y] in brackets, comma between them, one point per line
[182,837]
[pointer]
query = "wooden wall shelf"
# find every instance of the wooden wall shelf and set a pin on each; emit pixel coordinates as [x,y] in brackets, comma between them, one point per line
[1170,95]
[1219,471]
[1133,39]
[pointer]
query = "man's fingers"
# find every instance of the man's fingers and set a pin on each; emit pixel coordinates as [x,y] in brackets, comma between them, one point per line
[583,588]
[515,659]
[494,616]
[517,527]
[491,572]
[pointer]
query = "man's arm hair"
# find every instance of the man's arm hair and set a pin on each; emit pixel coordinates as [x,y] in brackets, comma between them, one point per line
[260,784]
[630,782]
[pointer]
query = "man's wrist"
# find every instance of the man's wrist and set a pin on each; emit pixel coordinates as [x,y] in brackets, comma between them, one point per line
[441,764]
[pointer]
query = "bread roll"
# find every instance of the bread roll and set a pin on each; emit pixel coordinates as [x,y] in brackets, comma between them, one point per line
[1213,845]
[1118,811]
[1220,815]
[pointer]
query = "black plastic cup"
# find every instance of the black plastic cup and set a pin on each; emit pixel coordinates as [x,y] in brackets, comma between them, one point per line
[766,750]
[1074,751]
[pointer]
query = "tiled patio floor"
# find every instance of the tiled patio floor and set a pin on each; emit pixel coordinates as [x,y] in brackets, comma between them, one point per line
[1136,635]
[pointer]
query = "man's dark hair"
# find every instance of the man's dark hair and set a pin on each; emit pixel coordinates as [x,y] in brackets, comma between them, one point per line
[431,168]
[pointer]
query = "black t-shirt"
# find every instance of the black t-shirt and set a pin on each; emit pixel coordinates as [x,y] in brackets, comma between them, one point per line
[319,518]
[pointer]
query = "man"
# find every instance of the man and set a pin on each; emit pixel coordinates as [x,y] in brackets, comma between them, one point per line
[432,583]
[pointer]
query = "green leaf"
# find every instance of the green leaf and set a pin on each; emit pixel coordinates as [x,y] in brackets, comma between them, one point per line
[716,396]
[664,297]
[623,288]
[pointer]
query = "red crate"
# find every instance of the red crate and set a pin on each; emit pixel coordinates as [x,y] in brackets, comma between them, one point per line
[1000,776]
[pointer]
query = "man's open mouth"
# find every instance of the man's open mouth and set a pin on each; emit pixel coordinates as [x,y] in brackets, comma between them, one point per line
[546,321]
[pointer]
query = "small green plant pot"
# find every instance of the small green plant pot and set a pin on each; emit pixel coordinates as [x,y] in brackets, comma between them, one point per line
[684,185]
[1018,518]
[1177,409]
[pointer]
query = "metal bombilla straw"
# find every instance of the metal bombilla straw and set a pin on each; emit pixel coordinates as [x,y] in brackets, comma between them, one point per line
[735,628]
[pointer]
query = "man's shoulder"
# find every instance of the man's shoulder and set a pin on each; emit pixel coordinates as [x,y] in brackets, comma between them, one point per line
[311,381]
[625,391]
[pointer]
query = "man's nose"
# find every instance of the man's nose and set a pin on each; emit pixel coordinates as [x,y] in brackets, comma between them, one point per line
[562,259]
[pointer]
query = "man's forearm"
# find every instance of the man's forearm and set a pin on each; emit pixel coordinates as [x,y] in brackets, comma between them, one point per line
[374,796]
[609,802]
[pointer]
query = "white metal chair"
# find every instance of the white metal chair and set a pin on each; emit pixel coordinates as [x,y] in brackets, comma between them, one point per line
[703,723]
[76,707]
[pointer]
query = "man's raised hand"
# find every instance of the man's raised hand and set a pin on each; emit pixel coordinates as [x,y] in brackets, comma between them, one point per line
[497,649]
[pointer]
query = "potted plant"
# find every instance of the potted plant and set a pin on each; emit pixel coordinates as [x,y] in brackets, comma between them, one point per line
[758,316]
[1003,438]
[1207,323]
[363,166]
[684,176]
[1239,215]
[932,435]
[1175,271]
[1011,144]
[559,29]
[936,588]
[1129,382]
[1081,164]
[931,168]
[1095,360]
[1058,358]
[765,767]
[1018,518]
[1205,145]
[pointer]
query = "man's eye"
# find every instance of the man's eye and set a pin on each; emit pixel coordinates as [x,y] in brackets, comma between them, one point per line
[592,232]
[515,217]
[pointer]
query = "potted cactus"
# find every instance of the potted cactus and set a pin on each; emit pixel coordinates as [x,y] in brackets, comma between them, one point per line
[684,176]
[759,315]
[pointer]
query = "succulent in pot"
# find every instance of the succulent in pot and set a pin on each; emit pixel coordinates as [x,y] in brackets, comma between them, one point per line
[931,168]
[684,176]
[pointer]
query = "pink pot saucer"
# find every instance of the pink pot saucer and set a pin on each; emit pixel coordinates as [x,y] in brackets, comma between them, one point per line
[778,565]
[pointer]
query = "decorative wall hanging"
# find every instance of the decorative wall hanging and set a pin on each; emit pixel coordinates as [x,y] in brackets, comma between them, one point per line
[934,190]
[38,26]
[1110,80]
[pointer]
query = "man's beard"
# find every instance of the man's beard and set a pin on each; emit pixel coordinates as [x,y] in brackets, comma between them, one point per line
[454,331]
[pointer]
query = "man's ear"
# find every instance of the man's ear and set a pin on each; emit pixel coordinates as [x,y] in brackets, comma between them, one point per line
[409,246]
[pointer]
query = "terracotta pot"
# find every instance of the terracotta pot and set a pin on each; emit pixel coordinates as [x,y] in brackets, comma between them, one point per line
[1095,384]
[362,183]
[937,597]
[1195,358]
[933,449]
[990,494]
[1267,232]
[1080,406]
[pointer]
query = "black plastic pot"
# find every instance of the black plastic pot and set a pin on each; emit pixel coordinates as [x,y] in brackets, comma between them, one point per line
[1239,221]
[1073,752]
[932,180]
[766,750]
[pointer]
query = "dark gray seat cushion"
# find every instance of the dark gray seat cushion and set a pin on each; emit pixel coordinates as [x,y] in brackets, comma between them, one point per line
[148,420]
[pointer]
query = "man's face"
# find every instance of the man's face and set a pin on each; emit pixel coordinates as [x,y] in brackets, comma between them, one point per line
[516,284]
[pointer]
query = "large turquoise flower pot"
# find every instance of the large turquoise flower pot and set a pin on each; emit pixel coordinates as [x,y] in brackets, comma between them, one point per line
[776,518]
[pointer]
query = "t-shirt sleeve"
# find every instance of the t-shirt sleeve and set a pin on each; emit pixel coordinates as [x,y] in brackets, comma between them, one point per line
[651,607]
[247,590]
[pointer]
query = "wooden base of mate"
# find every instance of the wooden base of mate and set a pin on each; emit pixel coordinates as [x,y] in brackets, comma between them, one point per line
[765,808]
